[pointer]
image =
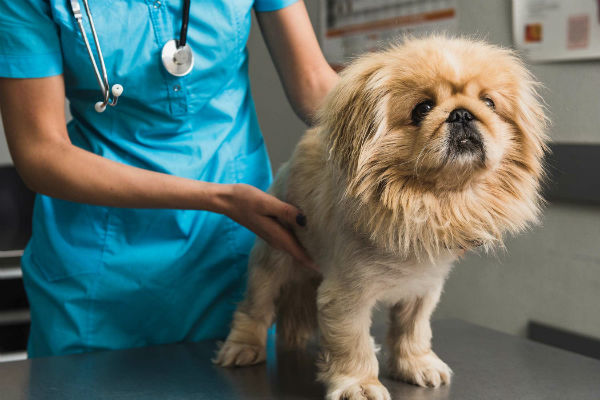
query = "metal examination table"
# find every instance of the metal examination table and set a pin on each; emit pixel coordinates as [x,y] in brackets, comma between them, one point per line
[487,365]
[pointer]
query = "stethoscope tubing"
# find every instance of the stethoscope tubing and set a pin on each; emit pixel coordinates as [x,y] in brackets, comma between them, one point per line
[184,23]
[106,86]
[101,75]
[78,17]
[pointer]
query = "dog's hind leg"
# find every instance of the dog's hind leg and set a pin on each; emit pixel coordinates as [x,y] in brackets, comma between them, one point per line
[409,338]
[268,270]
[297,312]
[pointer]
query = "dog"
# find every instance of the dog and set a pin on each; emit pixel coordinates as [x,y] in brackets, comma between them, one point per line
[420,152]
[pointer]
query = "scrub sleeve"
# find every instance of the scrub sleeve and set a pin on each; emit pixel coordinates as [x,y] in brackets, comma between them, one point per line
[109,278]
[30,47]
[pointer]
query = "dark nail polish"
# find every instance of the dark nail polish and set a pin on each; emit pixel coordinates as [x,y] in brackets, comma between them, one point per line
[301,219]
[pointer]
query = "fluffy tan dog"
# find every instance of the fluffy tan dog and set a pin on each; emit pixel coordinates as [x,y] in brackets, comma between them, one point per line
[421,152]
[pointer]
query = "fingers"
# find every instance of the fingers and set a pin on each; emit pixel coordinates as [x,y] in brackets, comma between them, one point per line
[282,239]
[287,214]
[268,217]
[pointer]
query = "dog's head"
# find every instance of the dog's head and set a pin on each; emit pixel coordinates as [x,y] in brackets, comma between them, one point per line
[442,136]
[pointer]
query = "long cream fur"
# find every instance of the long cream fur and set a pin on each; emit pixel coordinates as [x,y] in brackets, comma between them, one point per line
[389,210]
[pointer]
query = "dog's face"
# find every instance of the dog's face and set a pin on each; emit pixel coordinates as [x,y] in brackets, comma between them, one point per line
[440,120]
[457,110]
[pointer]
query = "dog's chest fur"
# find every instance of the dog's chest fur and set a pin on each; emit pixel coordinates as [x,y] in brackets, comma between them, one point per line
[308,182]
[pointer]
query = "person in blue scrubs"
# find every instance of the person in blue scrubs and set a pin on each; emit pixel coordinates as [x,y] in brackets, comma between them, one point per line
[146,213]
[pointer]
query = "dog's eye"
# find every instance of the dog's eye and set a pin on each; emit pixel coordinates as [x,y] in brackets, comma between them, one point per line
[489,102]
[421,110]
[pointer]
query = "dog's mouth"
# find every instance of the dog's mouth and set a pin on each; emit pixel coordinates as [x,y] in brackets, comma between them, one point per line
[464,140]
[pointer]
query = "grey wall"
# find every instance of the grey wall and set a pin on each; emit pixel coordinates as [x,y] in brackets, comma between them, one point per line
[4,156]
[550,274]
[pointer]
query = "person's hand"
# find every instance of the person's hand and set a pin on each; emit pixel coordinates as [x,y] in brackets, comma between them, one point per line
[268,217]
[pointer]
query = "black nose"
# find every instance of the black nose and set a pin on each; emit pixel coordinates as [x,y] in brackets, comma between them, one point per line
[460,115]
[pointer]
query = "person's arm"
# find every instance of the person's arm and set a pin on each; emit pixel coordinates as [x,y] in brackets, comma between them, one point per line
[302,68]
[35,126]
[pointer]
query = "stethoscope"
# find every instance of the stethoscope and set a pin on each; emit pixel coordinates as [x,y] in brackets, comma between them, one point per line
[176,54]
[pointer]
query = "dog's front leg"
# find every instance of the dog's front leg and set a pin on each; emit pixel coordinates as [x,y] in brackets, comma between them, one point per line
[409,339]
[348,366]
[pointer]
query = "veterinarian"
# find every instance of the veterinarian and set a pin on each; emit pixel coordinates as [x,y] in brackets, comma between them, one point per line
[135,240]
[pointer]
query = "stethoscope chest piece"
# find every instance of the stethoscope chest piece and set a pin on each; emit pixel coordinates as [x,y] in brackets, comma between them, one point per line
[178,61]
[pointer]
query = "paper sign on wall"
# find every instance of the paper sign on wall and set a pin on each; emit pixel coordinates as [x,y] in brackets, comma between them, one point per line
[352,27]
[549,30]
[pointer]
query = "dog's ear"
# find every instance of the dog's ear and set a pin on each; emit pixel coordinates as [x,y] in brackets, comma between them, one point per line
[352,112]
[531,123]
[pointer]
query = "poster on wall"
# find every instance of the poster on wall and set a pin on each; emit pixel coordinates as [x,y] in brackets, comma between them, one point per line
[553,30]
[353,27]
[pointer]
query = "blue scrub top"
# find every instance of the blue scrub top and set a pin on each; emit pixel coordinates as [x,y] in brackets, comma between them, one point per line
[105,278]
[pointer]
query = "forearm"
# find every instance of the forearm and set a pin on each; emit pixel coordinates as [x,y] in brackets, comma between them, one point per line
[62,170]
[302,68]
[307,91]
[33,115]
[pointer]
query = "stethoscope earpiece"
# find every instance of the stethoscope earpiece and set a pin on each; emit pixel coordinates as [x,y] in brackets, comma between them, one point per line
[100,107]
[117,90]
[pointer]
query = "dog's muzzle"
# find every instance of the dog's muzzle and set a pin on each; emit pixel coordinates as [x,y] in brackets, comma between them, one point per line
[464,138]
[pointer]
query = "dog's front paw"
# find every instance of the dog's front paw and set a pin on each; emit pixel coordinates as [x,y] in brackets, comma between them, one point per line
[426,370]
[357,389]
[236,354]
